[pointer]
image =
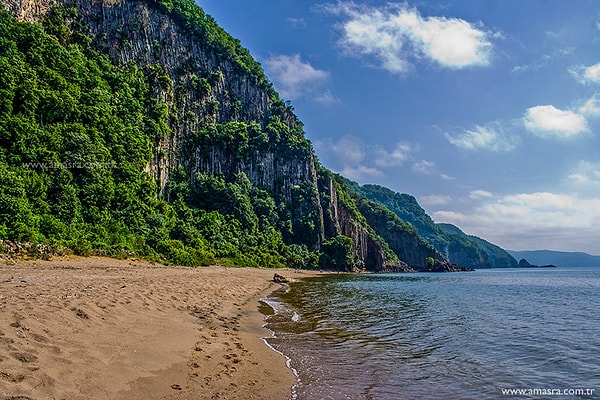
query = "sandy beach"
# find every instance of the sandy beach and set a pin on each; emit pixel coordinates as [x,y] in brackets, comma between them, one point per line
[97,328]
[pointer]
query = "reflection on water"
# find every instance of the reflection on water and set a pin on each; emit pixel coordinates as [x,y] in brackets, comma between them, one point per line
[460,335]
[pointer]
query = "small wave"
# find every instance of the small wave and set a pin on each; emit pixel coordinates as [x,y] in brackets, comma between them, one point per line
[279,308]
[288,363]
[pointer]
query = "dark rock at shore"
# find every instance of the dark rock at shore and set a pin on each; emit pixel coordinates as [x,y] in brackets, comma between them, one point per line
[400,266]
[280,279]
[525,264]
[445,266]
[404,268]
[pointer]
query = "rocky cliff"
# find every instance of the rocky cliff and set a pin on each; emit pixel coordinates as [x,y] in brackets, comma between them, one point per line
[490,255]
[193,84]
[403,239]
[342,217]
[449,242]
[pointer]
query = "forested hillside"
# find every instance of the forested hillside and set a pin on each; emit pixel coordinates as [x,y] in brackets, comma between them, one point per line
[447,239]
[141,128]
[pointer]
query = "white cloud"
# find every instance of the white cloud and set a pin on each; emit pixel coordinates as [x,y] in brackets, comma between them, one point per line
[397,35]
[359,172]
[550,122]
[484,137]
[587,173]
[454,43]
[592,73]
[541,202]
[297,22]
[545,60]
[400,154]
[425,167]
[539,220]
[591,107]
[352,158]
[578,178]
[326,98]
[585,74]
[480,194]
[348,149]
[295,78]
[349,154]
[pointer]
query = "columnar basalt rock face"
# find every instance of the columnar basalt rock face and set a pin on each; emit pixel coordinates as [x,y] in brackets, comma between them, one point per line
[410,248]
[340,220]
[139,33]
[136,33]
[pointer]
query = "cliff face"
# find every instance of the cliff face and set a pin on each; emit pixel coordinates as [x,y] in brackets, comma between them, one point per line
[341,220]
[198,86]
[28,10]
[201,88]
[402,238]
[450,243]
[489,255]
[139,33]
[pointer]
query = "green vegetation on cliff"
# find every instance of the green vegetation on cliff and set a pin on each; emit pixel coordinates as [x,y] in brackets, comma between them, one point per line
[214,37]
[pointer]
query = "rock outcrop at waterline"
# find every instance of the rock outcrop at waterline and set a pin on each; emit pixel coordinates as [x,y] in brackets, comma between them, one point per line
[445,266]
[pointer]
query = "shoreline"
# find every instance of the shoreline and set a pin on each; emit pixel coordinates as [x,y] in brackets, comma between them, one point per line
[86,328]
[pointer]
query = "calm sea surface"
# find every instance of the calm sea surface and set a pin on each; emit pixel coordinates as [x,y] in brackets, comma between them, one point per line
[466,335]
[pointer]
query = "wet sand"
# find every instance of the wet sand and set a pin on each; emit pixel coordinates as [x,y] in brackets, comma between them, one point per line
[98,328]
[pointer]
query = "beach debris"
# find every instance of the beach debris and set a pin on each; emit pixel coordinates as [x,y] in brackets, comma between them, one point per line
[280,279]
[80,313]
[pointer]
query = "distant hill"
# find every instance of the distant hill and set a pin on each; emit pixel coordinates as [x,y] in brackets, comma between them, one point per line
[448,240]
[497,256]
[558,258]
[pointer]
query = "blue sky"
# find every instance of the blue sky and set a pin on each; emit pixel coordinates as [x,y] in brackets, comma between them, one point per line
[487,111]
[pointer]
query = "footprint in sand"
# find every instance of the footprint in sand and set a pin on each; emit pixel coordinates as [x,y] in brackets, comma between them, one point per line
[25,357]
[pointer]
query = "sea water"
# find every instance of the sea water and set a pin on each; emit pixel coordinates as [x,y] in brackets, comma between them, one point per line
[488,334]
